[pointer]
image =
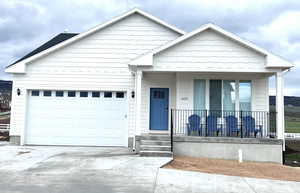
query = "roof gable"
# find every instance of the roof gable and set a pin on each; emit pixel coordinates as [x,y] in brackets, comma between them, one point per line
[40,52]
[272,60]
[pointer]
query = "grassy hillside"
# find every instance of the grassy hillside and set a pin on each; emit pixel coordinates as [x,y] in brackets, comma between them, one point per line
[292,118]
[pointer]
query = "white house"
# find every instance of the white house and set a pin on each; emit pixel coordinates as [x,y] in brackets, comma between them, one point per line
[119,80]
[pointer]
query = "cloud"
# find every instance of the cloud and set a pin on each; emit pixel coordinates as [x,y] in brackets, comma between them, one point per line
[271,24]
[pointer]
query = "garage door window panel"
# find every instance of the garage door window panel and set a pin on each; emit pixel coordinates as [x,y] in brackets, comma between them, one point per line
[120,95]
[107,94]
[35,93]
[47,93]
[83,94]
[59,93]
[71,94]
[95,94]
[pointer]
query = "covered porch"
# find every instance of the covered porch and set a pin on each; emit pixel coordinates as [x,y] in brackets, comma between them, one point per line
[208,104]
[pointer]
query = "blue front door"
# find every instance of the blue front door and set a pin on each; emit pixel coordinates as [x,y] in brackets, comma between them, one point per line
[159,108]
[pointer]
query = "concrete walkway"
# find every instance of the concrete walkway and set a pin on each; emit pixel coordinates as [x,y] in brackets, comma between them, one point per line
[177,181]
[33,169]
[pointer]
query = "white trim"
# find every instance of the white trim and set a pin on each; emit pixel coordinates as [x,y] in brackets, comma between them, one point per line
[237,95]
[91,31]
[207,94]
[138,101]
[273,61]
[279,105]
[25,110]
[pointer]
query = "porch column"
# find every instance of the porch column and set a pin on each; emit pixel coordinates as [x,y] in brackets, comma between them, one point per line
[280,105]
[138,91]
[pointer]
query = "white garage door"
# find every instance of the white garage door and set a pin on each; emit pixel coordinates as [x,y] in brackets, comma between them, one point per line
[91,118]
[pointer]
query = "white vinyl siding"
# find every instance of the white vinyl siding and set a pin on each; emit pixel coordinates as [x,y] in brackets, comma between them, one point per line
[209,51]
[260,94]
[97,62]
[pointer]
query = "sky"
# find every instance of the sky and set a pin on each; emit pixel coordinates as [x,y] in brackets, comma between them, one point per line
[271,24]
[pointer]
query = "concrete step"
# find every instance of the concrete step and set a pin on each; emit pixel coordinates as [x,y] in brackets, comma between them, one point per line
[155,142]
[156,137]
[155,148]
[158,134]
[156,154]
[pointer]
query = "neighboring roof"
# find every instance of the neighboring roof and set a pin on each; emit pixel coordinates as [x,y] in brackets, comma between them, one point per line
[55,40]
[275,60]
[93,30]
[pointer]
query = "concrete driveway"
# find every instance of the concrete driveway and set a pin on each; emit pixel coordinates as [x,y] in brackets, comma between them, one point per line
[36,169]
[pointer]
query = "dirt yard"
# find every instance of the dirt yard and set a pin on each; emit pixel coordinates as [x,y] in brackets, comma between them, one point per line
[233,168]
[292,152]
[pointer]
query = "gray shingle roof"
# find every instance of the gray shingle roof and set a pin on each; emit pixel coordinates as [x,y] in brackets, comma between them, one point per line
[54,41]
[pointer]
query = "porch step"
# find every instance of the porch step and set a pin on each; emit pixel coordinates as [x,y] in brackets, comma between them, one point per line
[156,137]
[155,142]
[155,145]
[155,148]
[156,153]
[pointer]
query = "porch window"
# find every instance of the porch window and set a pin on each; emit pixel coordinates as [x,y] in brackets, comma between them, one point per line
[245,95]
[226,95]
[229,93]
[215,95]
[199,94]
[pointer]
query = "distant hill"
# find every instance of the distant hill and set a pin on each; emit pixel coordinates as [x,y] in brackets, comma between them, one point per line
[288,101]
[5,85]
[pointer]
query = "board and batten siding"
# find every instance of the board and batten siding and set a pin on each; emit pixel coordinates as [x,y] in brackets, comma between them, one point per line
[96,62]
[208,51]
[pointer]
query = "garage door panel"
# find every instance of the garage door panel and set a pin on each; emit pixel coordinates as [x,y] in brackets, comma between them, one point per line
[76,121]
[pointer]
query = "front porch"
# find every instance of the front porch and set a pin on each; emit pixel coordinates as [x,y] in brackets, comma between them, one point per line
[207,104]
[208,114]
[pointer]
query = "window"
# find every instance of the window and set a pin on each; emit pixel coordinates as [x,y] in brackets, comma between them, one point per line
[107,94]
[199,94]
[158,94]
[47,93]
[245,95]
[59,93]
[223,95]
[71,93]
[229,92]
[83,94]
[215,95]
[120,95]
[96,94]
[35,93]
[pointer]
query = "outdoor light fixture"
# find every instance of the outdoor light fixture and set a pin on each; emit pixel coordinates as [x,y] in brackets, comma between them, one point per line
[18,92]
[132,94]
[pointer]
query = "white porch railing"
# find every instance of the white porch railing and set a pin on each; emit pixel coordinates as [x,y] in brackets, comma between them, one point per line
[292,135]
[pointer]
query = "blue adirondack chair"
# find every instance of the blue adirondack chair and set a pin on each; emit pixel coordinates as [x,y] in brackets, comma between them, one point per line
[194,125]
[212,125]
[232,125]
[249,126]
